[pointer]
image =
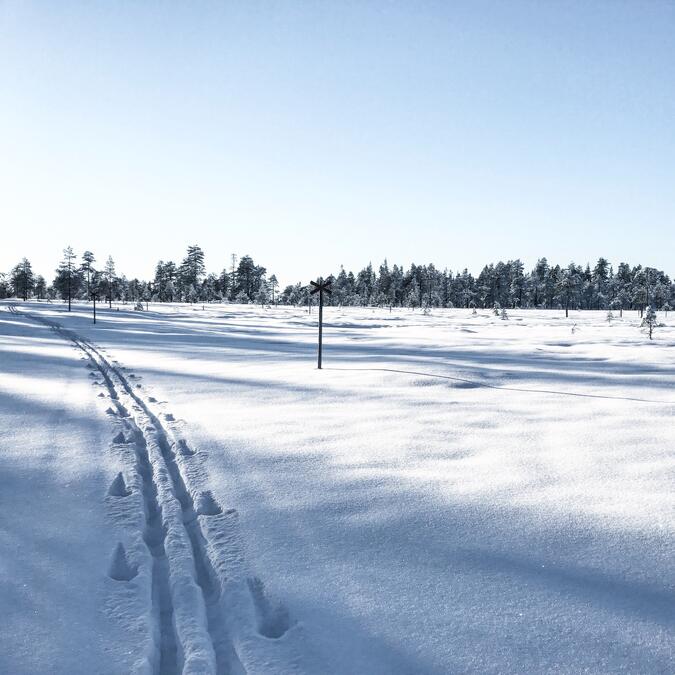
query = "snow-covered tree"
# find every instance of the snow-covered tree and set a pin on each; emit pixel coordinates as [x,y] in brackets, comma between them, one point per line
[40,287]
[22,279]
[191,294]
[262,296]
[649,320]
[169,290]
[109,275]
[87,268]
[68,279]
[192,270]
[413,294]
[273,284]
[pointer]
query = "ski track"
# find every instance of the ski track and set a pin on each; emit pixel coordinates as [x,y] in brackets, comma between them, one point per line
[208,615]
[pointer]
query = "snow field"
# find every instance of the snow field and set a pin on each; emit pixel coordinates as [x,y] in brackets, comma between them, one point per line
[453,493]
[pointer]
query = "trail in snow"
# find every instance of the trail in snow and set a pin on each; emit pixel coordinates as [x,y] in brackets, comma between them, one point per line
[197,581]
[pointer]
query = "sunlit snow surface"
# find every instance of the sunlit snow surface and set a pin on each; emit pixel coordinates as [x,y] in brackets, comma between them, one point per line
[451,493]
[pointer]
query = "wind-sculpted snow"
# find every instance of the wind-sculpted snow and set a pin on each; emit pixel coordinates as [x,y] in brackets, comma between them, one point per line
[452,493]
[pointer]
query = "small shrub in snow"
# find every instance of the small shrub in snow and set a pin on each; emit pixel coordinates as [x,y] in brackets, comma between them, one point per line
[610,316]
[496,308]
[504,315]
[139,306]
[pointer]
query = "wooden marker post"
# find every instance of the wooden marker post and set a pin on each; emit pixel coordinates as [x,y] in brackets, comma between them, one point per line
[321,287]
[93,295]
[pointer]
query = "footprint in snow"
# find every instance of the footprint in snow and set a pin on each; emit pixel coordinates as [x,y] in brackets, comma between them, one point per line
[207,504]
[118,488]
[120,569]
[184,448]
[273,618]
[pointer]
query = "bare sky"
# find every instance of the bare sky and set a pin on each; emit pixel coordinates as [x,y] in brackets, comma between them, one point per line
[314,134]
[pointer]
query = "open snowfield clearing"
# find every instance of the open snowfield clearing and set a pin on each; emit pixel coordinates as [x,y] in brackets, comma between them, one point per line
[181,490]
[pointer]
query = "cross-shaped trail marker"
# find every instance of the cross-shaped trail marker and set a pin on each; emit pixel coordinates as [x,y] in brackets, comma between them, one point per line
[321,287]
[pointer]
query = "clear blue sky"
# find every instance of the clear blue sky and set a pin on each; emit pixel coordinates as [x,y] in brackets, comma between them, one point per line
[311,134]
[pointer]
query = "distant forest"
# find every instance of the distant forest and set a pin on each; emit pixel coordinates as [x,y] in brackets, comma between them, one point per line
[504,284]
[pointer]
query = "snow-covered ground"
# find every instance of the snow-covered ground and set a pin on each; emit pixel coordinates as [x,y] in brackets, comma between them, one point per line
[451,493]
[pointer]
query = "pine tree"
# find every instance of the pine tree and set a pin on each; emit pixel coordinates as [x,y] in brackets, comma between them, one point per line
[192,269]
[233,270]
[40,287]
[649,320]
[262,297]
[273,284]
[169,290]
[95,281]
[224,284]
[247,276]
[109,274]
[191,294]
[87,260]
[67,279]
[22,279]
[413,294]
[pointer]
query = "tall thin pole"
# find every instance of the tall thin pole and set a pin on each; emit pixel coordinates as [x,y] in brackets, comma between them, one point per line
[320,323]
[320,287]
[94,296]
[234,267]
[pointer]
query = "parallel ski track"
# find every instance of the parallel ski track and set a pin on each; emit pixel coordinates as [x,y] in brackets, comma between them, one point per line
[181,646]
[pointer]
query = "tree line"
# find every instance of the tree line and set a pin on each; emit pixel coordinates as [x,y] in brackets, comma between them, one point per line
[504,284]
